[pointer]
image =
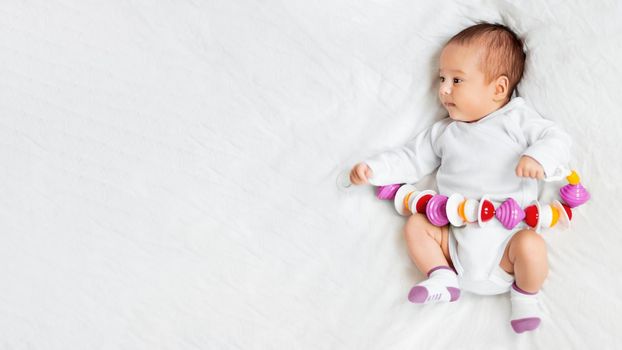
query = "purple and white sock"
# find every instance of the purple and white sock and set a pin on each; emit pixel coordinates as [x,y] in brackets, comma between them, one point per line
[441,286]
[525,311]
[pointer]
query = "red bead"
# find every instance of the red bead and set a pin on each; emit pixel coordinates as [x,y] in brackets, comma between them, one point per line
[568,211]
[423,203]
[488,210]
[532,215]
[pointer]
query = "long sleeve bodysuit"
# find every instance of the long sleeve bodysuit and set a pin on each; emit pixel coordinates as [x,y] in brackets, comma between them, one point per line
[476,159]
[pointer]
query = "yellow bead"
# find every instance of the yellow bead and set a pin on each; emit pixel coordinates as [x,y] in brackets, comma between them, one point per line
[406,199]
[461,211]
[573,178]
[555,216]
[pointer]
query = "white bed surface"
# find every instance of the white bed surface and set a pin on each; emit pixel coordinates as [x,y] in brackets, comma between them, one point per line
[168,173]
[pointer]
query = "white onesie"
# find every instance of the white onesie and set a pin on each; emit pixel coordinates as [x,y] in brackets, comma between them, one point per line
[476,159]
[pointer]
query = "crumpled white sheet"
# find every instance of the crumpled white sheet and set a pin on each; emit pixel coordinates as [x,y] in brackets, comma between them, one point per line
[168,173]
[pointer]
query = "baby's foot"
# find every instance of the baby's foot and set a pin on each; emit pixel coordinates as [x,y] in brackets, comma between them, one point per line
[441,286]
[525,311]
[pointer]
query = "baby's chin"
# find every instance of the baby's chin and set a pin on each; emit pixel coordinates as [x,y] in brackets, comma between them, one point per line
[455,116]
[459,117]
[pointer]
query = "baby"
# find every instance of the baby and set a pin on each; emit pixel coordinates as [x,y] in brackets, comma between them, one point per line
[490,144]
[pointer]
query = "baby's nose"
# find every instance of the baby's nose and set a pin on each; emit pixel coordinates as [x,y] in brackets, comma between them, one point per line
[445,89]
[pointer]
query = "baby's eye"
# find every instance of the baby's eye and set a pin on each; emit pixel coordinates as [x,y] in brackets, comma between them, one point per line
[442,79]
[457,80]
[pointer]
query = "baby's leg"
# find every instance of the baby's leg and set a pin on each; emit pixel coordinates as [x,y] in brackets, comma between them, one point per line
[525,257]
[428,245]
[428,248]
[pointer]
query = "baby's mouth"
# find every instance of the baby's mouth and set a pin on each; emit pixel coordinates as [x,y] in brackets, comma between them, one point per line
[449,104]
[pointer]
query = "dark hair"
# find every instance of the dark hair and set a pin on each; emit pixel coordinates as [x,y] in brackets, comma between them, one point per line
[504,53]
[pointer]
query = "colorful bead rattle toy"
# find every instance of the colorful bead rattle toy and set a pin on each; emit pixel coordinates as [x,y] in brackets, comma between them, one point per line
[458,211]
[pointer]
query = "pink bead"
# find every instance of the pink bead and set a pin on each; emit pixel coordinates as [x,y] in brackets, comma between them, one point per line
[510,213]
[574,195]
[388,191]
[436,210]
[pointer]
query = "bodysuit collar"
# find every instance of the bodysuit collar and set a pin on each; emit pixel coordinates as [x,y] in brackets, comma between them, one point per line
[516,101]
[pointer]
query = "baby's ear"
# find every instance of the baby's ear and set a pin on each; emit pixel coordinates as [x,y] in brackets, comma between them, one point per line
[502,84]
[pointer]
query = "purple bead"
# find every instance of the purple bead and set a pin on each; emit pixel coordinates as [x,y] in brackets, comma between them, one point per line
[436,210]
[388,191]
[510,213]
[574,195]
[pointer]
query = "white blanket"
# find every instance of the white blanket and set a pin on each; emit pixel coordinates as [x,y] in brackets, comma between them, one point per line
[168,173]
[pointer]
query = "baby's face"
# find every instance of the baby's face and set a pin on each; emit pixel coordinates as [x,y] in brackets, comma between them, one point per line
[463,89]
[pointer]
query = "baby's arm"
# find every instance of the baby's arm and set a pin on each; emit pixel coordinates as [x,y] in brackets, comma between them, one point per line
[407,164]
[548,147]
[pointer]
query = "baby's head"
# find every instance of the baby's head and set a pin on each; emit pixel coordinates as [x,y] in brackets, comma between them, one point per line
[479,69]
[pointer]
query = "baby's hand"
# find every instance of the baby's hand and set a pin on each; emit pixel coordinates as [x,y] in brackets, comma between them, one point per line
[360,174]
[529,167]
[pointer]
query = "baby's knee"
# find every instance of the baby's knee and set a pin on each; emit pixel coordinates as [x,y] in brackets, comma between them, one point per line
[528,242]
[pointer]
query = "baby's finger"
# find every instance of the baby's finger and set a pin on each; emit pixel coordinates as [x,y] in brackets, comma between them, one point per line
[360,171]
[519,171]
[353,177]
